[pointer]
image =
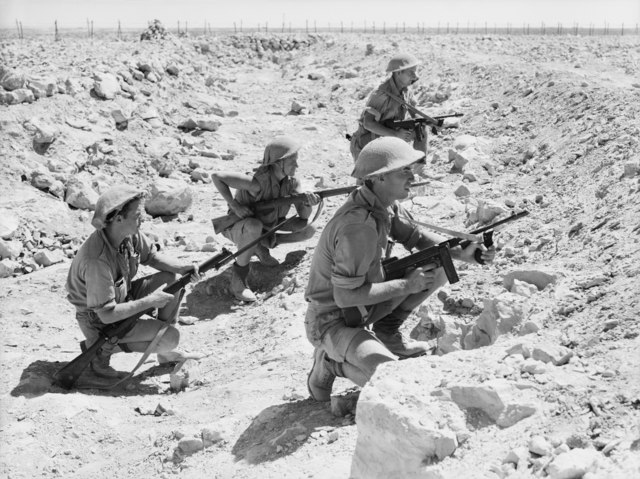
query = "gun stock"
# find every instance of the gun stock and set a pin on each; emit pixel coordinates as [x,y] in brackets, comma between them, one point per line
[69,374]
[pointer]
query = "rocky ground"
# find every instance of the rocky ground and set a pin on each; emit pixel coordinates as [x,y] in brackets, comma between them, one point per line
[551,125]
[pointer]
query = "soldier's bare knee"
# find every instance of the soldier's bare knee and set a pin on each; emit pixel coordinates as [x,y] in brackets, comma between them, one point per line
[253,227]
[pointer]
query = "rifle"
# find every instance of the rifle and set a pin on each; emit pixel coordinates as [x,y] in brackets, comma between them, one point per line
[439,255]
[221,223]
[112,333]
[415,124]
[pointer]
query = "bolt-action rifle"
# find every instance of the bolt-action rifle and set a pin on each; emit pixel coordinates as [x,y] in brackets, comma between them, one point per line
[439,255]
[221,223]
[415,124]
[112,333]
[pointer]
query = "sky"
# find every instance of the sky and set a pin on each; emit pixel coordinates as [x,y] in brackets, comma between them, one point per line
[223,13]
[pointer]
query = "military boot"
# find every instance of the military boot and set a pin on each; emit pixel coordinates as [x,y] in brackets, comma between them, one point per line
[388,332]
[238,284]
[323,372]
[100,365]
[403,346]
[264,255]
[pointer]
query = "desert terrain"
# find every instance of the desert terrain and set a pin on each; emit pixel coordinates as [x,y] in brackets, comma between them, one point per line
[551,125]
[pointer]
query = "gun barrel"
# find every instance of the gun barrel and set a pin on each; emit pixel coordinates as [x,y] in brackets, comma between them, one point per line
[492,226]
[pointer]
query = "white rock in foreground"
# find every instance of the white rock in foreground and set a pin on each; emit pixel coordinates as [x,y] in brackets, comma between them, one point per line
[413,414]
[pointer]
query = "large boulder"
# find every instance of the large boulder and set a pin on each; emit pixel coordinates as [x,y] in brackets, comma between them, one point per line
[81,195]
[413,415]
[169,197]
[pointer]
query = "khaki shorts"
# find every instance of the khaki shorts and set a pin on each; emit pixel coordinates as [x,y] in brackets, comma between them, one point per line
[328,331]
[90,323]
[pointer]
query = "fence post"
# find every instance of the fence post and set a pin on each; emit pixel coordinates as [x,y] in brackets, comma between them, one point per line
[178,27]
[404,28]
[341,28]
[57,34]
[384,28]
[306,26]
[240,26]
[315,27]
[374,27]
[622,30]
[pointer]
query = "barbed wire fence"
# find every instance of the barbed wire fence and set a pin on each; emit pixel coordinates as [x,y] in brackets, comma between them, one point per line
[182,29]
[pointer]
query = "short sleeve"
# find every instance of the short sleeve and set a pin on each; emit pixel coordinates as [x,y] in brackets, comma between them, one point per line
[376,104]
[100,285]
[402,229]
[145,248]
[354,253]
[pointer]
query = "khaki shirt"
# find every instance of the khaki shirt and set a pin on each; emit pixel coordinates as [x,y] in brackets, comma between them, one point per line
[352,245]
[270,188]
[383,107]
[100,276]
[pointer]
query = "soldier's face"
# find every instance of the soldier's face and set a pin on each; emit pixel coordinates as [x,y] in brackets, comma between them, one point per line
[407,77]
[132,221]
[398,183]
[290,165]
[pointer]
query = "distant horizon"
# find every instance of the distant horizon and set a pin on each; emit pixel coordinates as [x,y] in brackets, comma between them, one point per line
[136,14]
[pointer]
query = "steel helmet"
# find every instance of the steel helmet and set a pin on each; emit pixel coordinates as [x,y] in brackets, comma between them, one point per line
[280,147]
[401,61]
[383,155]
[113,200]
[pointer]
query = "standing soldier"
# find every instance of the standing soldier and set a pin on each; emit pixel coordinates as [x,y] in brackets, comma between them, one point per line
[381,106]
[102,287]
[346,272]
[274,179]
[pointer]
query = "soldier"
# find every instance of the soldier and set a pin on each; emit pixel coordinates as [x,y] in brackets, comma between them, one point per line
[274,179]
[381,107]
[102,287]
[346,271]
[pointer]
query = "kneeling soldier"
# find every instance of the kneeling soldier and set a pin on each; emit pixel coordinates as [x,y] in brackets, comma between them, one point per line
[346,272]
[102,287]
[274,179]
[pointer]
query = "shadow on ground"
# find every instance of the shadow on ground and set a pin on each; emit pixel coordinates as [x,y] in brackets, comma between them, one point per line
[282,429]
[211,297]
[37,379]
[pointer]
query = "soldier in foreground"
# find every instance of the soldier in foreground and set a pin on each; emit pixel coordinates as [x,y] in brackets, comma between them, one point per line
[102,287]
[381,106]
[346,273]
[275,178]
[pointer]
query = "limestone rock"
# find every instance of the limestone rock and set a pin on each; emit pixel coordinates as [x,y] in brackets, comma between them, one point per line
[573,464]
[9,223]
[500,315]
[7,267]
[106,86]
[81,195]
[10,249]
[538,278]
[168,197]
[47,257]
[185,374]
[15,97]
[500,400]
[42,87]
